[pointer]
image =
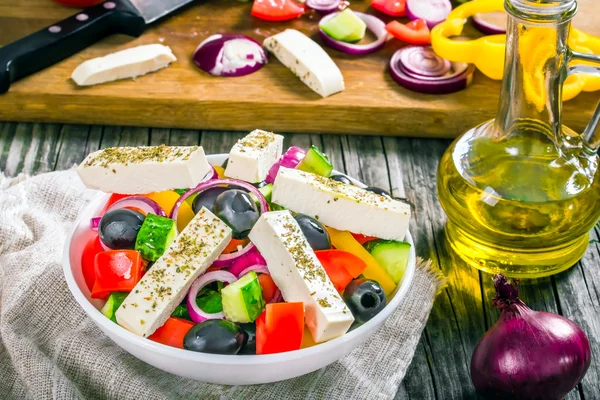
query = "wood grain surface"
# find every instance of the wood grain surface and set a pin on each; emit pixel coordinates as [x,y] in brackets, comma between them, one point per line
[273,98]
[407,167]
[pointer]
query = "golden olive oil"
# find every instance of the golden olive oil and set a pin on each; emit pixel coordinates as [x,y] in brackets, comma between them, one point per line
[517,204]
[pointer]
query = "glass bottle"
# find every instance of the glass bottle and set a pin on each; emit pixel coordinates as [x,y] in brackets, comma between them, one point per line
[522,191]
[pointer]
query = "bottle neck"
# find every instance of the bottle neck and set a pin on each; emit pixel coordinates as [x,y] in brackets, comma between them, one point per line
[535,69]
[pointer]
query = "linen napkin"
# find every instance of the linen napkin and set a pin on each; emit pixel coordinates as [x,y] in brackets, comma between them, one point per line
[50,349]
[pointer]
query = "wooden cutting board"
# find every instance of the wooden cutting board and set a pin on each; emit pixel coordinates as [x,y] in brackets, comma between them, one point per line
[182,96]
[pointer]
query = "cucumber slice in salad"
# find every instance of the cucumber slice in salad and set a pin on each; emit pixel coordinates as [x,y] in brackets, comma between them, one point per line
[316,163]
[243,300]
[112,304]
[391,255]
[155,235]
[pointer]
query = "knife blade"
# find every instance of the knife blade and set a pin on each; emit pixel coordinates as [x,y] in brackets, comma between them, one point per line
[71,35]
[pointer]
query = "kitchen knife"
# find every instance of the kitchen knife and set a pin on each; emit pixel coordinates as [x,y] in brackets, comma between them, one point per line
[67,37]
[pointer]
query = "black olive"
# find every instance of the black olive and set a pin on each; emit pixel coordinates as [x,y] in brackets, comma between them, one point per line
[365,299]
[224,165]
[258,185]
[237,209]
[341,178]
[207,199]
[119,228]
[378,191]
[249,346]
[314,231]
[215,336]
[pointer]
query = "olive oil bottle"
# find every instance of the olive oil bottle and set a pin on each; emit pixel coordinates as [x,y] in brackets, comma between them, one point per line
[522,191]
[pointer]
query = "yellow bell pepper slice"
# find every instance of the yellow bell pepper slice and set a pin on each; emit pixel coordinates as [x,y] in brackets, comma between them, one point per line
[220,171]
[166,200]
[343,240]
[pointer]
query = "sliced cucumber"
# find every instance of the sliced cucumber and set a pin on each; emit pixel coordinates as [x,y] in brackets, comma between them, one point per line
[316,162]
[346,26]
[267,191]
[243,300]
[391,255]
[156,234]
[112,304]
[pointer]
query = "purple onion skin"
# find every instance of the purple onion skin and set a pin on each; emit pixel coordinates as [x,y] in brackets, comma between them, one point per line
[528,354]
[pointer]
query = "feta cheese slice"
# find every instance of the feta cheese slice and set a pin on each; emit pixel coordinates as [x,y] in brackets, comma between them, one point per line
[134,170]
[252,156]
[129,63]
[341,206]
[307,60]
[166,283]
[297,272]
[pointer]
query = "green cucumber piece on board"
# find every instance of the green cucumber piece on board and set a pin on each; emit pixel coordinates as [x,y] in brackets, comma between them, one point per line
[156,234]
[243,299]
[112,304]
[346,26]
[316,163]
[391,255]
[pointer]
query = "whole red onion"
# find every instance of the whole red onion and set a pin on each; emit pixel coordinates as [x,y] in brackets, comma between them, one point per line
[528,354]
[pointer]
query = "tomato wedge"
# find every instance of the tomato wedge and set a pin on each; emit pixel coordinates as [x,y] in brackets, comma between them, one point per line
[335,259]
[415,32]
[172,332]
[276,10]
[268,287]
[280,328]
[116,271]
[335,267]
[395,8]
[233,245]
[112,200]
[88,256]
[362,239]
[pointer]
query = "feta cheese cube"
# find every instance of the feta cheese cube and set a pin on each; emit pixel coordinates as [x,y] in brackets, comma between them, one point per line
[144,169]
[166,283]
[341,206]
[251,157]
[297,272]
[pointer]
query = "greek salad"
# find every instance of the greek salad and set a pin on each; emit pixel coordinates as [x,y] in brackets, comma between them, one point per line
[269,252]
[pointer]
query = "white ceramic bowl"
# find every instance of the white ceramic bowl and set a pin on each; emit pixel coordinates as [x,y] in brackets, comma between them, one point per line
[213,368]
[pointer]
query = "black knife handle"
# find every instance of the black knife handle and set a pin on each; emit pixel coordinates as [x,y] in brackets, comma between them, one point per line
[65,38]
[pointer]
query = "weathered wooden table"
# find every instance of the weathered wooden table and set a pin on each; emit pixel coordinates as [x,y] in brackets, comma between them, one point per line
[462,312]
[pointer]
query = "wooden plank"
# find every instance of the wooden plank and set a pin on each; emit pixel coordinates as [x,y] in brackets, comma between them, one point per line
[273,98]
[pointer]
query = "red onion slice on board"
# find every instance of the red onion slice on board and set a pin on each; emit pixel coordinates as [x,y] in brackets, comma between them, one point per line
[230,55]
[374,24]
[457,78]
[491,23]
[423,61]
[196,313]
[432,11]
[324,6]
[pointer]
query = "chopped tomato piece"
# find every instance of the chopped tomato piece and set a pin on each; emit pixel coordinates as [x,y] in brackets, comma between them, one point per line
[280,328]
[233,245]
[268,287]
[395,8]
[116,271]
[276,10]
[112,200]
[88,256]
[362,239]
[172,332]
[415,32]
[341,267]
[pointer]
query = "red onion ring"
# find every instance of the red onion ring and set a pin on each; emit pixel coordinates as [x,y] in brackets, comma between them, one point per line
[143,203]
[432,11]
[290,159]
[324,6]
[423,61]
[245,261]
[458,78]
[196,313]
[277,297]
[225,260]
[94,223]
[259,269]
[490,27]
[230,54]
[374,24]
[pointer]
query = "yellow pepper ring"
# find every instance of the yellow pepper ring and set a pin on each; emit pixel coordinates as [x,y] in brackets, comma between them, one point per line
[487,53]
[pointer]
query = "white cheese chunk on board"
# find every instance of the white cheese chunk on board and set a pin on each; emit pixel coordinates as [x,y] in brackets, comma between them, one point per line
[307,60]
[252,156]
[341,206]
[166,283]
[128,63]
[299,275]
[144,169]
